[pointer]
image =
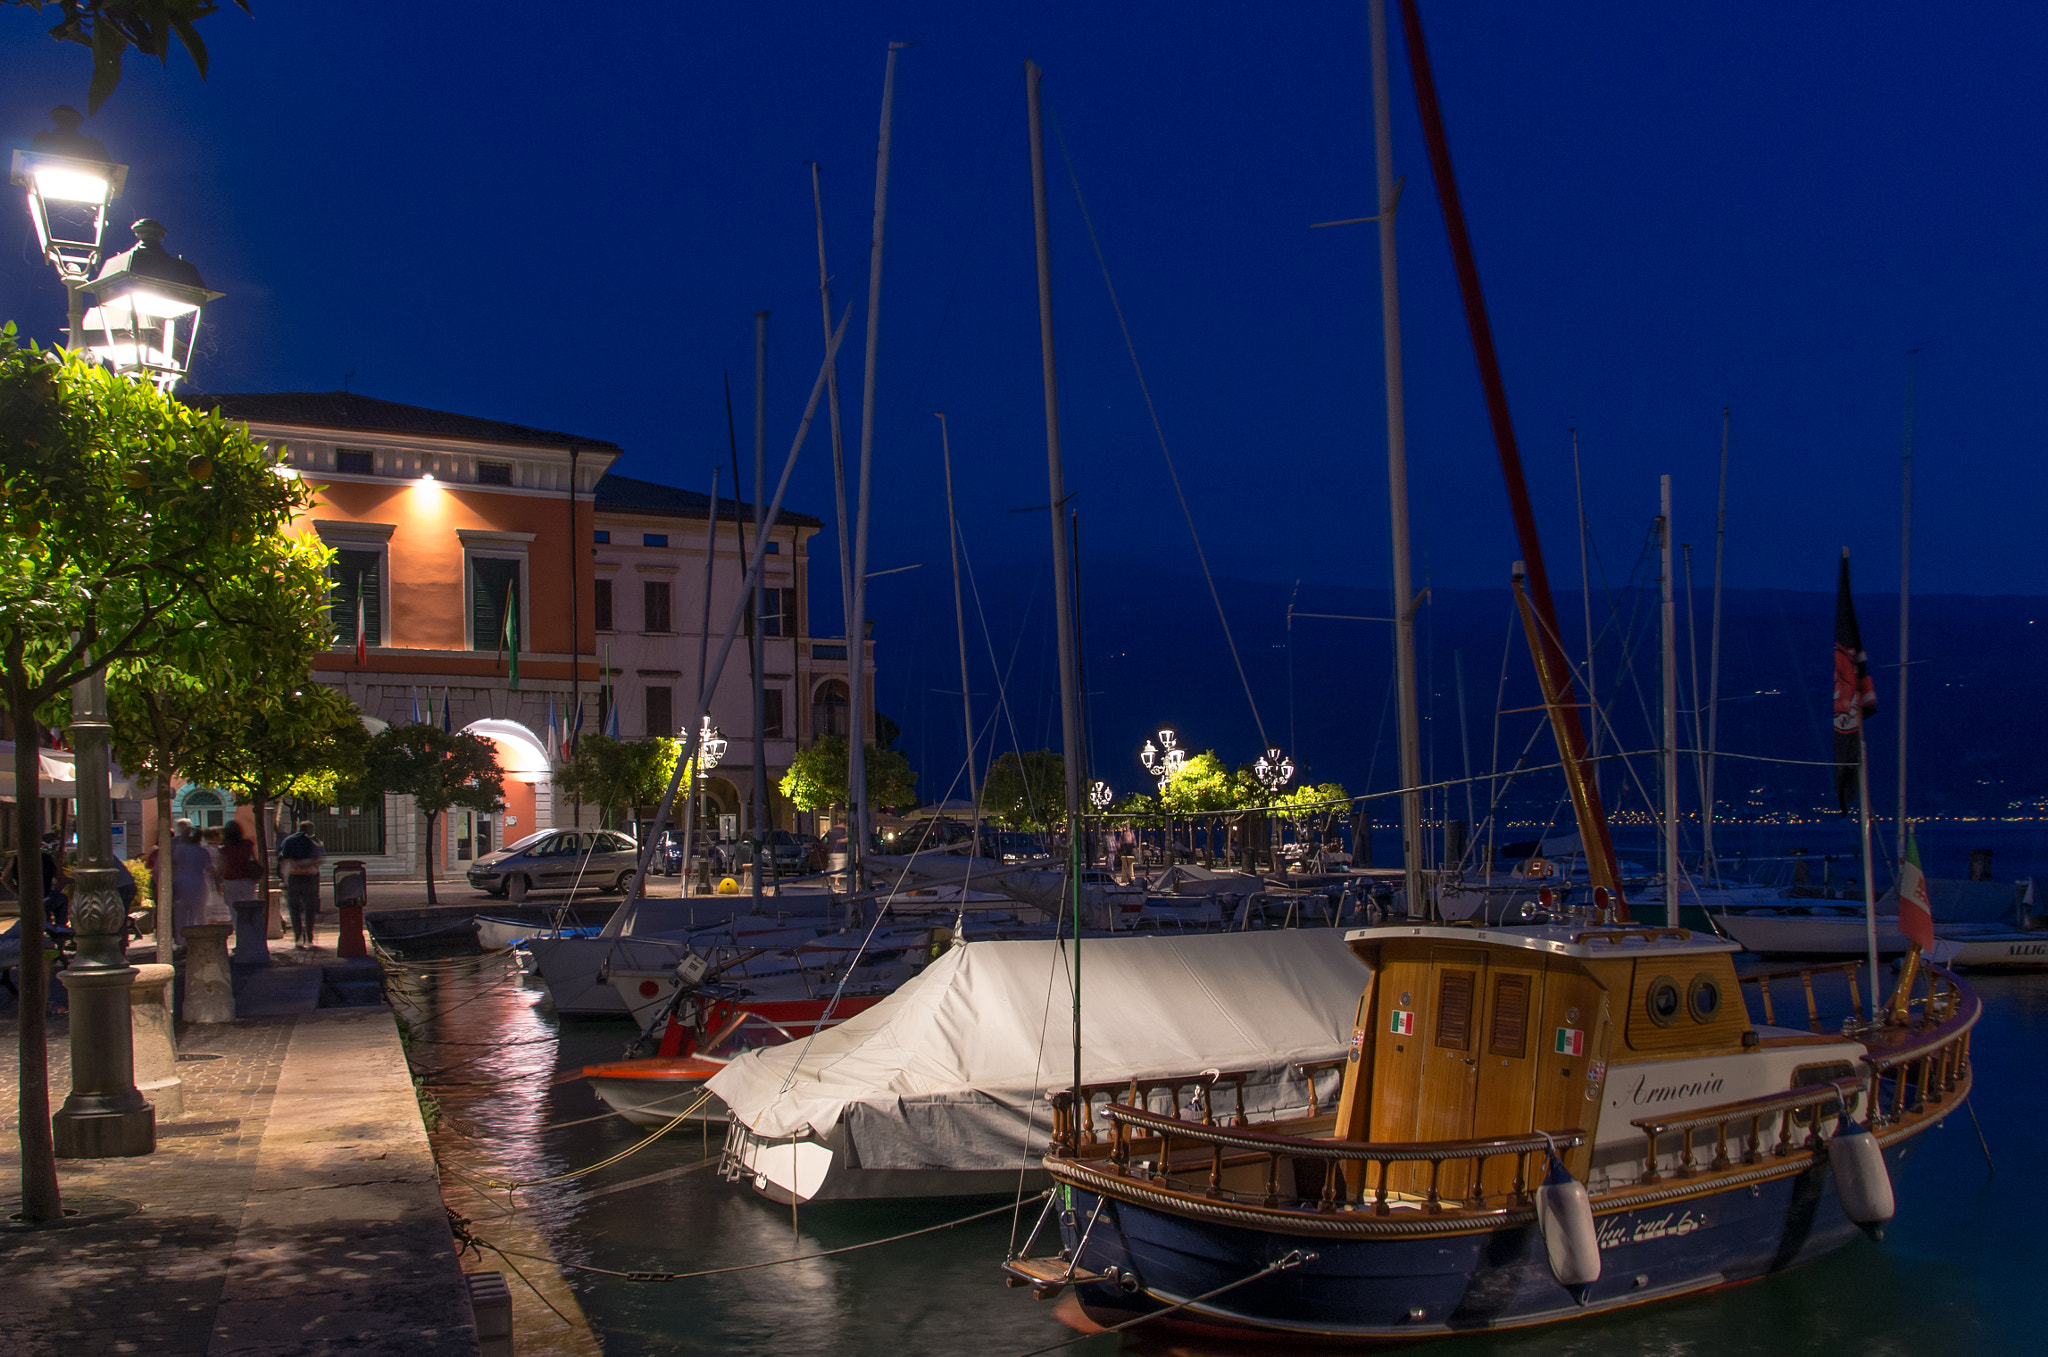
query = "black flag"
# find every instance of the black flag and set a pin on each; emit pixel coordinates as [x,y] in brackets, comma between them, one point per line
[1855,695]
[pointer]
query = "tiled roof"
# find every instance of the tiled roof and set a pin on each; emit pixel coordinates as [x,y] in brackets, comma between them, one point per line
[618,494]
[353,410]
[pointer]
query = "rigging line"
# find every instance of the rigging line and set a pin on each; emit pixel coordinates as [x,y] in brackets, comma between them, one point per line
[749,1267]
[1059,955]
[1003,674]
[1292,1260]
[1158,429]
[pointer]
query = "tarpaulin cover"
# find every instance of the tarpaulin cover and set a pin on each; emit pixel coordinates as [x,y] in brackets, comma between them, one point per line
[951,1071]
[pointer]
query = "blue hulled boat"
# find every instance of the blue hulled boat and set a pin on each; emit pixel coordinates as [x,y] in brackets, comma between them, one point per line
[1535,1124]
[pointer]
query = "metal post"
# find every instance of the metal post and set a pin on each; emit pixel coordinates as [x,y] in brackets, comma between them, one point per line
[1062,567]
[106,1116]
[1397,477]
[856,624]
[576,548]
[1586,605]
[758,650]
[1900,826]
[1710,863]
[838,435]
[960,626]
[1869,883]
[1670,697]
[703,698]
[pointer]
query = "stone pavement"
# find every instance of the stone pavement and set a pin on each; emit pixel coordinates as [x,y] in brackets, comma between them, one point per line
[294,1209]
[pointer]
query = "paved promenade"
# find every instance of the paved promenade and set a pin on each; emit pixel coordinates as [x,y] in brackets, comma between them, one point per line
[293,1209]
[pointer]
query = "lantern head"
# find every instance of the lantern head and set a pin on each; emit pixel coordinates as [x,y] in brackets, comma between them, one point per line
[147,320]
[70,181]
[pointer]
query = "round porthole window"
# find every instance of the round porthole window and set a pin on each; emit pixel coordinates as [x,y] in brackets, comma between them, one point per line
[1662,1001]
[1703,997]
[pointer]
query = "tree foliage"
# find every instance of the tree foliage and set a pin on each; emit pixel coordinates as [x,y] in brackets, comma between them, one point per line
[817,776]
[121,513]
[108,28]
[616,775]
[1027,793]
[1205,785]
[1312,803]
[440,770]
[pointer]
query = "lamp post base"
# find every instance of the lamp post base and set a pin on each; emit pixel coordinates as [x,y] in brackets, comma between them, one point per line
[106,1116]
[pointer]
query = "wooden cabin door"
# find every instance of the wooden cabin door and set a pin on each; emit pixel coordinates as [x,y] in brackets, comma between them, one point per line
[1507,1050]
[1450,1066]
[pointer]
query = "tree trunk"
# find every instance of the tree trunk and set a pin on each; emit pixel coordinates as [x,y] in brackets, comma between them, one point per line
[40,1200]
[433,819]
[161,887]
[260,803]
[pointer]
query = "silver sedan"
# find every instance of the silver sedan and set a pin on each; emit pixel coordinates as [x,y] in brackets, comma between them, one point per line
[559,860]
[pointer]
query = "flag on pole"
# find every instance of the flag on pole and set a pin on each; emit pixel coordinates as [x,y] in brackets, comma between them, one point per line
[430,706]
[362,627]
[1855,695]
[553,746]
[1916,913]
[447,713]
[416,705]
[508,635]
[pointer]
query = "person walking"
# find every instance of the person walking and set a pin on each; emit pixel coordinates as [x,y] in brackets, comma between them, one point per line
[192,878]
[300,856]
[217,911]
[241,866]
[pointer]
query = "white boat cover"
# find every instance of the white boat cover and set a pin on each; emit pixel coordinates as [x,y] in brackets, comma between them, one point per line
[951,1071]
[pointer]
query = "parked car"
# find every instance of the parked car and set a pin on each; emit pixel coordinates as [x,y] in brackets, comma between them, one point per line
[787,854]
[559,860]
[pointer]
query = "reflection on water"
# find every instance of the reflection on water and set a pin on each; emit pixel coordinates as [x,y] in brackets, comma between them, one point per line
[1956,1274]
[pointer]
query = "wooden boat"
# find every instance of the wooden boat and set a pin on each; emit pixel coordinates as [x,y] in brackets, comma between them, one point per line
[1711,1149]
[654,1090]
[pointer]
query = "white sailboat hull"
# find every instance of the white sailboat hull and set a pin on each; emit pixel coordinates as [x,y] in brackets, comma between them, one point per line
[1816,933]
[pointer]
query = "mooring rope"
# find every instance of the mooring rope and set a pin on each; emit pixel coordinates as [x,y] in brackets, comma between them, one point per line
[749,1267]
[677,1120]
[1292,1260]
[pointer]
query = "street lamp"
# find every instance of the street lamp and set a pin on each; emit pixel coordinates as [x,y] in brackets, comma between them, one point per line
[1164,759]
[147,320]
[1099,795]
[70,182]
[1274,770]
[710,749]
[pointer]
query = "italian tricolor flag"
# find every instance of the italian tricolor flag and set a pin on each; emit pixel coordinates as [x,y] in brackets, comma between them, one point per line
[1916,915]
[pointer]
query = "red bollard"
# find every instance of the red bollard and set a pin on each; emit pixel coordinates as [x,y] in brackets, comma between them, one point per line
[351,895]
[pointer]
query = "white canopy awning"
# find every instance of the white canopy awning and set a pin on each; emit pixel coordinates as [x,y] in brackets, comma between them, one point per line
[58,774]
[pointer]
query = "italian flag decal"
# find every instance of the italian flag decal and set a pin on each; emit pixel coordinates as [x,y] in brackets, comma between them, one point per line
[1571,1041]
[1403,1023]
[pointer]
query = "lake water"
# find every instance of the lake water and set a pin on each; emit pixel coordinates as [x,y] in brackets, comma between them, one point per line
[1957,1273]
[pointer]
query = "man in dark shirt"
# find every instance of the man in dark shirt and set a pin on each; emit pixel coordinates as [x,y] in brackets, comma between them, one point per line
[299,855]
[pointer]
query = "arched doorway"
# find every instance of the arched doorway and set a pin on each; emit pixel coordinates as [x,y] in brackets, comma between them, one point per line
[524,760]
[205,807]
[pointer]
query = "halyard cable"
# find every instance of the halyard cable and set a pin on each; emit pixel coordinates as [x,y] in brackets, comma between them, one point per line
[749,1267]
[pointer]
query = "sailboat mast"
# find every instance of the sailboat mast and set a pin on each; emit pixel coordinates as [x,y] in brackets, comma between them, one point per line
[1062,567]
[1905,589]
[1586,604]
[1670,646]
[1559,689]
[1397,476]
[756,653]
[832,403]
[1708,864]
[960,626]
[856,624]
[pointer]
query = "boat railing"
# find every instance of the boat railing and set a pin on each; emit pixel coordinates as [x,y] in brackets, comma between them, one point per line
[1751,1121]
[1144,1092]
[1805,971]
[1334,1190]
[1926,1059]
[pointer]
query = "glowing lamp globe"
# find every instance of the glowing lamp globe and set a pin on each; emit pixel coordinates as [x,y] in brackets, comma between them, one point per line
[147,320]
[70,182]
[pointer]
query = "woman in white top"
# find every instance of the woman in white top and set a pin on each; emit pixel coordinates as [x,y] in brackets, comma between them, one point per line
[193,879]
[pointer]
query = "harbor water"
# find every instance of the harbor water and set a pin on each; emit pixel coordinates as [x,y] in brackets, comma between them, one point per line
[1957,1270]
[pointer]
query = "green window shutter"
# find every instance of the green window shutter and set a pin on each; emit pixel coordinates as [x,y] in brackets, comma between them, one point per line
[352,571]
[490,578]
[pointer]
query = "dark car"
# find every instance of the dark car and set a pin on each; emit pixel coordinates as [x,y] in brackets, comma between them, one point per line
[787,854]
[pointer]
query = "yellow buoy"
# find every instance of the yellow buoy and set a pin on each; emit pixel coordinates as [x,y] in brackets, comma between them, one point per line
[728,887]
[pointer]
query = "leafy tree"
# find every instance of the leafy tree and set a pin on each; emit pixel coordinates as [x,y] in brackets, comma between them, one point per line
[1027,793]
[188,707]
[816,779]
[1203,786]
[108,28]
[616,775]
[119,510]
[440,770]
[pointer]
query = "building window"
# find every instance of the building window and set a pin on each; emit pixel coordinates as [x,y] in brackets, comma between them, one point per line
[494,473]
[655,592]
[819,652]
[348,829]
[494,586]
[603,609]
[771,714]
[355,462]
[601,536]
[828,709]
[356,574]
[779,617]
[653,539]
[205,809]
[660,714]
[774,549]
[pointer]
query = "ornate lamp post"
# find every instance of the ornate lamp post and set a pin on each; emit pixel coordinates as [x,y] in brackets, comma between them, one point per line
[710,749]
[148,318]
[1274,770]
[1099,796]
[1163,760]
[70,182]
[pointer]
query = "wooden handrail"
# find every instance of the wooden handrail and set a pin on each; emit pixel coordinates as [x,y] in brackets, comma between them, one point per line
[1768,1103]
[1619,934]
[1419,1152]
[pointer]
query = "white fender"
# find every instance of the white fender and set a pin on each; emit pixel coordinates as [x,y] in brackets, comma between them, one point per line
[1862,1182]
[1566,1219]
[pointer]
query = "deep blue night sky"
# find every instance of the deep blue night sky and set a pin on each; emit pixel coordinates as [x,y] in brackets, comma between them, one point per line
[542,215]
